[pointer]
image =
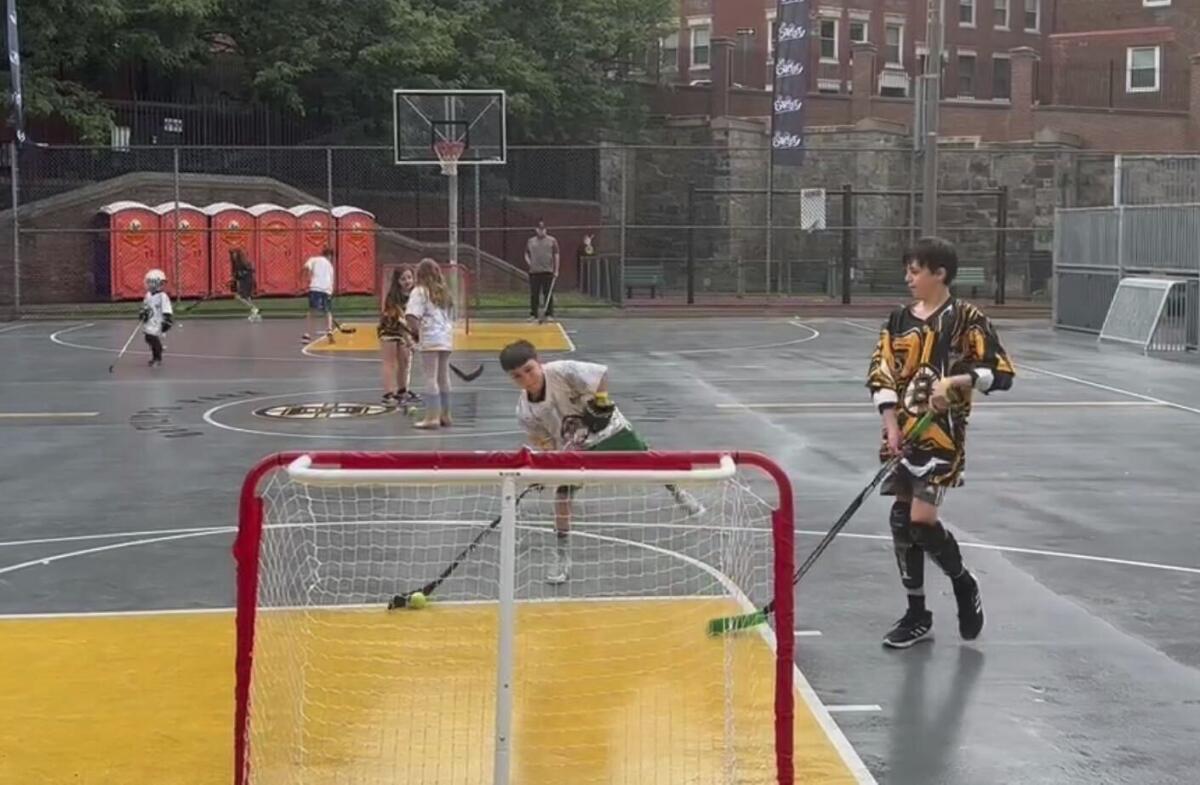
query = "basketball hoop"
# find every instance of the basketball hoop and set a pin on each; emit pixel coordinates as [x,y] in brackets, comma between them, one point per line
[448,153]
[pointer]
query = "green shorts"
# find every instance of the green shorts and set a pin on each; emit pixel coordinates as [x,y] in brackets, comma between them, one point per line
[624,440]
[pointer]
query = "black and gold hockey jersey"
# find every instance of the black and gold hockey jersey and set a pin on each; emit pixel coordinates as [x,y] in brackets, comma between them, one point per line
[911,355]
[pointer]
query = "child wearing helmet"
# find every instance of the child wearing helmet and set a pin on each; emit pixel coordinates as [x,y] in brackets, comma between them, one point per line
[156,314]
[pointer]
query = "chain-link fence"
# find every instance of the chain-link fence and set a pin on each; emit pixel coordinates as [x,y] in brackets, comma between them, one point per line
[692,221]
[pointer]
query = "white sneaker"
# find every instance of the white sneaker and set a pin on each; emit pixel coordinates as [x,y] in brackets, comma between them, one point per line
[688,502]
[254,315]
[559,570]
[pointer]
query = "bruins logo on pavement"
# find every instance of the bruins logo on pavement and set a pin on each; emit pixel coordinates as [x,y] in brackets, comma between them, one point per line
[324,411]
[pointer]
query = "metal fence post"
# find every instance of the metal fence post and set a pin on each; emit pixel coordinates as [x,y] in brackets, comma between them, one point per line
[620,298]
[178,282]
[847,239]
[691,252]
[478,240]
[770,219]
[13,151]
[1002,246]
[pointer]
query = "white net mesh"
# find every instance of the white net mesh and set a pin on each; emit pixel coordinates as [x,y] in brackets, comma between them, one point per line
[615,680]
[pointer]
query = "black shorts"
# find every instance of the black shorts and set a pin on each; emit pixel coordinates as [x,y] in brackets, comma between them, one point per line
[245,287]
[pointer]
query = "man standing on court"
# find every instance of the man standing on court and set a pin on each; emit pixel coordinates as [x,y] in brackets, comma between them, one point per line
[541,254]
[320,292]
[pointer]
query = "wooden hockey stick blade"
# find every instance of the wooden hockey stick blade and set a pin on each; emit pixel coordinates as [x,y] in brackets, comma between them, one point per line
[467,377]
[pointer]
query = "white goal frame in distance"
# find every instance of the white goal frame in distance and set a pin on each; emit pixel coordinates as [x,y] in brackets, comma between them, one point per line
[507,470]
[1157,324]
[451,173]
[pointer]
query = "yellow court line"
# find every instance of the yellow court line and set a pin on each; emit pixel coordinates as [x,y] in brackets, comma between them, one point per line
[485,336]
[44,415]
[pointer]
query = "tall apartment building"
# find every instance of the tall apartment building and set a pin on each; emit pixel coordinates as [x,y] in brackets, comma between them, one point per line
[979,37]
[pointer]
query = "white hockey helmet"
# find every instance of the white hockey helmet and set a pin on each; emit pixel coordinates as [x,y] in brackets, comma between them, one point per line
[155,280]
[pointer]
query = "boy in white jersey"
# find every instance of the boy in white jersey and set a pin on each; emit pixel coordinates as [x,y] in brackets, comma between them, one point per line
[564,405]
[156,314]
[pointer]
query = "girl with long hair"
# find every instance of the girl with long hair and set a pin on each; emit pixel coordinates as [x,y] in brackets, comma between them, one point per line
[429,316]
[395,341]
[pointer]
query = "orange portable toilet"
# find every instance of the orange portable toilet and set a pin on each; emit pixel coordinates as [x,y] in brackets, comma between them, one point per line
[187,277]
[276,261]
[314,233]
[355,251]
[126,251]
[230,226]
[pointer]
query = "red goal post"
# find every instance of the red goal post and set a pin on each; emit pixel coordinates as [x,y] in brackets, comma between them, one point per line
[325,538]
[459,277]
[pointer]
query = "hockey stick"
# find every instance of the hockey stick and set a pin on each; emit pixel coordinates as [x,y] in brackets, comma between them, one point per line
[545,305]
[192,307]
[401,600]
[467,376]
[342,328]
[744,621]
[121,354]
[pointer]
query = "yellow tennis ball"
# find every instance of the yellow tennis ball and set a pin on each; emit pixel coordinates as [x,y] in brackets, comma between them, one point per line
[417,600]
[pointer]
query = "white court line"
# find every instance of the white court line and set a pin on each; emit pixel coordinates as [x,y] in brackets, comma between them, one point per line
[443,433]
[14,327]
[866,405]
[99,549]
[808,633]
[852,707]
[44,415]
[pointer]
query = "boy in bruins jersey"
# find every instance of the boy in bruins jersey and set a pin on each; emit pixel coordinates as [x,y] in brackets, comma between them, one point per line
[935,353]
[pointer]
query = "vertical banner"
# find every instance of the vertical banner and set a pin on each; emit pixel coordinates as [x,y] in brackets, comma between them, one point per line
[791,81]
[14,66]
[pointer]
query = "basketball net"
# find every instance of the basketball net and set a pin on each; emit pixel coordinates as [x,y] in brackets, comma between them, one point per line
[448,153]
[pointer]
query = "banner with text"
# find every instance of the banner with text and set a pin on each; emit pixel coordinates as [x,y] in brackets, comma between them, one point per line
[791,81]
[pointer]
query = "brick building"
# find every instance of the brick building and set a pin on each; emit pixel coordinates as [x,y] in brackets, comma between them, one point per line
[979,37]
[1094,70]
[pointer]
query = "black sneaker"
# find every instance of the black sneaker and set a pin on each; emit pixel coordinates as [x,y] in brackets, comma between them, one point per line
[914,627]
[970,606]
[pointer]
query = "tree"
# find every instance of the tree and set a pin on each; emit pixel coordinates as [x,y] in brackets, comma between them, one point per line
[71,49]
[561,61]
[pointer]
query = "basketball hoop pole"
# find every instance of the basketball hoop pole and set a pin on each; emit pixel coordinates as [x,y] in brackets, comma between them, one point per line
[452,179]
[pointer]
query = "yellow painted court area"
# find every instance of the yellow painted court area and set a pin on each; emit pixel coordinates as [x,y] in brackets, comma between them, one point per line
[604,692]
[484,337]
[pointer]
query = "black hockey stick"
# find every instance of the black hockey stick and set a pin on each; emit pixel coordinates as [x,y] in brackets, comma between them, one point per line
[467,376]
[401,600]
[746,620]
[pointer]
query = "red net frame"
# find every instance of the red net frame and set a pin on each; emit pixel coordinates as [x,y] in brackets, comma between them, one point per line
[459,277]
[248,543]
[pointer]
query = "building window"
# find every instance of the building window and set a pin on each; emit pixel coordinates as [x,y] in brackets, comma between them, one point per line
[1002,79]
[829,86]
[829,40]
[1156,3]
[668,53]
[1143,71]
[858,31]
[966,13]
[772,35]
[1000,15]
[1033,14]
[966,76]
[700,33]
[893,44]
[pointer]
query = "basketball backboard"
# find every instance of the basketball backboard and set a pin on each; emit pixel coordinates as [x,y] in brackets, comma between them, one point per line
[474,117]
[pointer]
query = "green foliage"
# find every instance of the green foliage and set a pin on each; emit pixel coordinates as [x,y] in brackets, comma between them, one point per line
[561,61]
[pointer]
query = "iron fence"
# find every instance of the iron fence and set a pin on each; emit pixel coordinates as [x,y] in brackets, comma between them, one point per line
[705,222]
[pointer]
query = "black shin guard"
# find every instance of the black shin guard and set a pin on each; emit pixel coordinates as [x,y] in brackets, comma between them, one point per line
[941,547]
[909,557]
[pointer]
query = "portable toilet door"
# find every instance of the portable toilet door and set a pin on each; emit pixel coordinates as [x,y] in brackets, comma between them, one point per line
[276,262]
[315,233]
[355,251]
[127,250]
[183,250]
[230,227]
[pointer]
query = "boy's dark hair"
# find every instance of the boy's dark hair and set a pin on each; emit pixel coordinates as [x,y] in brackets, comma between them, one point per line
[517,354]
[327,251]
[934,253]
